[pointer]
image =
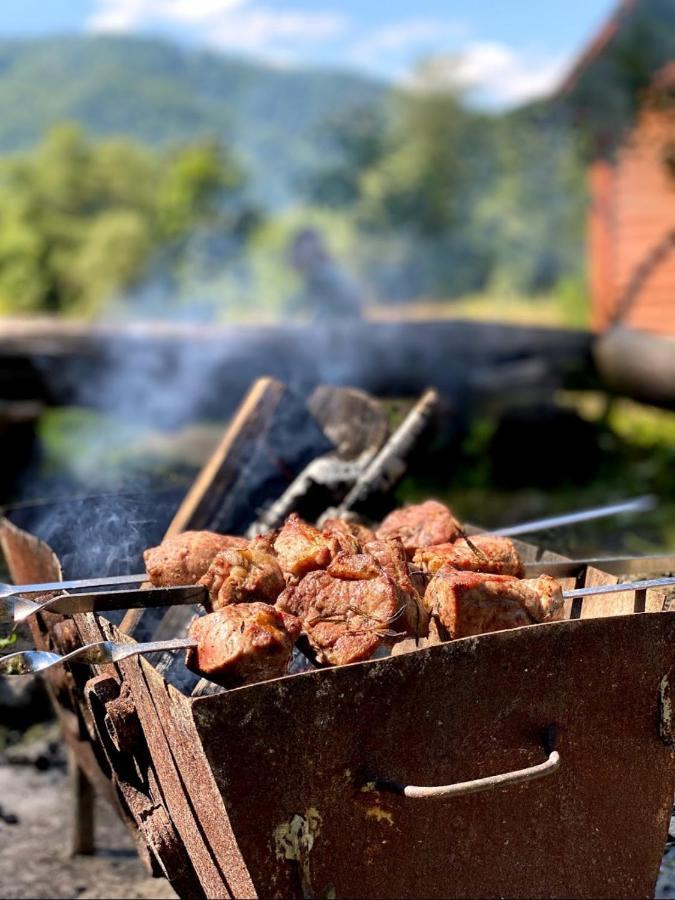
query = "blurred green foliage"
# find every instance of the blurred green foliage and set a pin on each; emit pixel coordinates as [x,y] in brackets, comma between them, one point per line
[628,450]
[83,221]
[448,201]
[418,196]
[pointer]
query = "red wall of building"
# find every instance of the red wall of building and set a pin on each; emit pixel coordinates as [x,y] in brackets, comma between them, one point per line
[631,216]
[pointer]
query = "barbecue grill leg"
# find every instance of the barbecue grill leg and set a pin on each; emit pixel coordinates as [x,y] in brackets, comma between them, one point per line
[82,825]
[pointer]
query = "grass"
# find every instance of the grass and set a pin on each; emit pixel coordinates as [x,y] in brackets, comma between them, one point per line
[567,307]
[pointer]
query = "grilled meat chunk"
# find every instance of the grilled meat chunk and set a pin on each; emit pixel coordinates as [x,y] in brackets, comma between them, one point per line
[184,558]
[347,612]
[354,567]
[493,554]
[243,575]
[265,541]
[242,643]
[301,548]
[348,537]
[423,525]
[392,558]
[467,603]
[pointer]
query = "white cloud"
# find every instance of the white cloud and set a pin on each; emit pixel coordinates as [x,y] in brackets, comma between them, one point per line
[494,74]
[119,15]
[233,24]
[402,38]
[408,35]
[491,74]
[261,29]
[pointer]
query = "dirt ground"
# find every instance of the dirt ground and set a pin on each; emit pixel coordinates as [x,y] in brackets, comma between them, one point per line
[33,849]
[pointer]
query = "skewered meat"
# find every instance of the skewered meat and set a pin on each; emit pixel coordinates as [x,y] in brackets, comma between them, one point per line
[354,567]
[392,557]
[347,612]
[493,554]
[422,525]
[467,603]
[243,575]
[184,558]
[350,537]
[242,643]
[301,547]
[264,541]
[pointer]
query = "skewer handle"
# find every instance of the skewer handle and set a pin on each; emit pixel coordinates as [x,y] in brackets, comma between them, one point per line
[30,662]
[72,585]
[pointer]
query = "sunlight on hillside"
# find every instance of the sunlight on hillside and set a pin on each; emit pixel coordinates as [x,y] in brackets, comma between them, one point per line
[552,310]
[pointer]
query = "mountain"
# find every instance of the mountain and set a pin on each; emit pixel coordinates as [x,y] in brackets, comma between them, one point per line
[164,94]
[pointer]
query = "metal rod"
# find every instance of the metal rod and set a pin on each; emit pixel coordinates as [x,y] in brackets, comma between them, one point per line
[615,565]
[617,588]
[639,504]
[30,662]
[15,609]
[6,589]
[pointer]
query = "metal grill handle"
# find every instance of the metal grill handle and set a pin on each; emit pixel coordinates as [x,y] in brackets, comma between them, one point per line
[463,788]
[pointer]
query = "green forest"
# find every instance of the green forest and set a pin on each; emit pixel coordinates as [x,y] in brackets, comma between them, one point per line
[139,177]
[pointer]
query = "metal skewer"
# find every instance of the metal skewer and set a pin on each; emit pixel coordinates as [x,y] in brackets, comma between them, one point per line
[7,590]
[17,609]
[639,504]
[588,591]
[14,610]
[30,662]
[617,588]
[615,565]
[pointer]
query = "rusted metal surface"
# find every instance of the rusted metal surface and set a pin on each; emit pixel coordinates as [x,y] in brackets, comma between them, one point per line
[138,791]
[272,790]
[298,747]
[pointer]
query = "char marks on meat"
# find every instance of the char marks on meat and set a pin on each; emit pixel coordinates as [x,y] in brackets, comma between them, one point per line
[492,554]
[346,613]
[243,643]
[423,525]
[242,576]
[184,558]
[347,591]
[468,603]
[392,558]
[301,548]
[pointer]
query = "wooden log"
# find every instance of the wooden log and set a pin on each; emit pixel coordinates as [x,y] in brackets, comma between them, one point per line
[638,364]
[74,362]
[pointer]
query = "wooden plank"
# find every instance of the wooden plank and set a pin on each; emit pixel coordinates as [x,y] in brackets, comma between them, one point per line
[222,469]
[270,440]
[605,604]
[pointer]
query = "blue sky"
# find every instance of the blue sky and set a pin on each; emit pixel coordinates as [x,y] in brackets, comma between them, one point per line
[500,51]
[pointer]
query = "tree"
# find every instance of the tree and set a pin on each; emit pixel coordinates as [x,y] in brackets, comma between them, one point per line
[417,183]
[356,140]
[82,221]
